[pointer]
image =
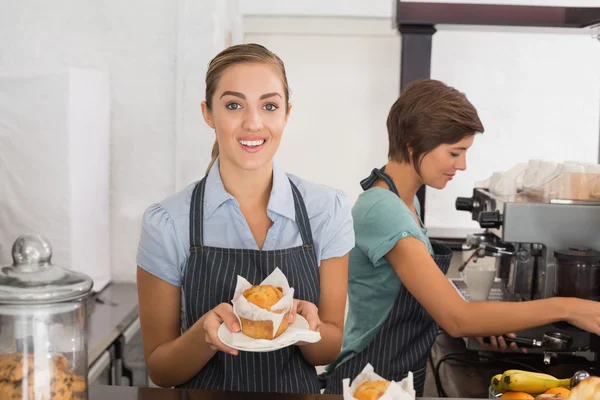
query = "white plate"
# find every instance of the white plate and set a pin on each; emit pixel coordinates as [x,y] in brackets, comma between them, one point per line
[241,342]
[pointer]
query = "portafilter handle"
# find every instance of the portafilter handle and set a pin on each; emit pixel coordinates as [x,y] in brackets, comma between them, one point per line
[497,250]
[521,341]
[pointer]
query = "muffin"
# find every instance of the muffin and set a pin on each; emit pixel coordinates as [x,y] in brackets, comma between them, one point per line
[371,390]
[265,297]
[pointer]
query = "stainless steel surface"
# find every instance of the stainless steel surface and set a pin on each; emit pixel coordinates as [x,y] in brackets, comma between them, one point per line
[111,312]
[555,226]
[100,366]
[486,244]
[132,330]
[135,371]
[497,293]
[557,341]
[578,377]
[521,272]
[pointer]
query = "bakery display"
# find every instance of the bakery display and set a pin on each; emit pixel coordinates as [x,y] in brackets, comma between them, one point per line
[265,297]
[18,372]
[371,390]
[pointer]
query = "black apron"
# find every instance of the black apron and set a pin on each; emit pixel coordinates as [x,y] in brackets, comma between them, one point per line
[210,279]
[404,341]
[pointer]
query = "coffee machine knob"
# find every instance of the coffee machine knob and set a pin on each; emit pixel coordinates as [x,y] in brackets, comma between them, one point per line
[464,204]
[490,219]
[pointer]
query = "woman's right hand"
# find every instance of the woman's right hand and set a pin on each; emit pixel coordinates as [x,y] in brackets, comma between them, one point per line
[213,320]
[584,314]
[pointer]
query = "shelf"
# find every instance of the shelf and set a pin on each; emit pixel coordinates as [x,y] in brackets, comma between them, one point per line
[493,14]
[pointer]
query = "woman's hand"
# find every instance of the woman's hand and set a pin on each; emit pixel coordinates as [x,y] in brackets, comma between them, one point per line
[310,312]
[499,344]
[213,320]
[584,314]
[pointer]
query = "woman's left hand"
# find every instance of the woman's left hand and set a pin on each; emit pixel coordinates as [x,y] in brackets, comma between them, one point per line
[499,344]
[310,312]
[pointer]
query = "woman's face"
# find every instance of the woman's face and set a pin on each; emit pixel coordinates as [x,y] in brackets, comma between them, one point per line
[439,166]
[248,114]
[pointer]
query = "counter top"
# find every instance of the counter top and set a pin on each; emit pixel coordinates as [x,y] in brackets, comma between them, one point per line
[110,312]
[130,393]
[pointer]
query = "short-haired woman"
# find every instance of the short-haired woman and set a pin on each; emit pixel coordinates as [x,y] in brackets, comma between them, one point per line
[397,288]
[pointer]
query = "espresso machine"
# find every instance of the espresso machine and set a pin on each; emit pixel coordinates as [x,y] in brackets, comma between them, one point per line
[544,247]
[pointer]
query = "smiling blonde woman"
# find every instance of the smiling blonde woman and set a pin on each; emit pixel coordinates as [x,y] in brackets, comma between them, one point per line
[245,217]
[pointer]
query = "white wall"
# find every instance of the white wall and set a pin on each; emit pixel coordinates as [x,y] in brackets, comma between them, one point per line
[343,76]
[156,53]
[204,29]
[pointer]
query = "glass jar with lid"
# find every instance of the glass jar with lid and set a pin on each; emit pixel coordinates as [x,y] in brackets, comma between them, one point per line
[43,321]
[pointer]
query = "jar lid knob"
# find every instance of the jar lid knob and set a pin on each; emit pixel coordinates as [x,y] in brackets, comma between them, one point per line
[31,251]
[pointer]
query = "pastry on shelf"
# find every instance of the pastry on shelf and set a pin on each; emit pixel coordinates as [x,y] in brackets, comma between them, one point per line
[18,373]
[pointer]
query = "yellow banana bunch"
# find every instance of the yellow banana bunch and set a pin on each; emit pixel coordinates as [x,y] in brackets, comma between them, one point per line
[530,382]
[497,383]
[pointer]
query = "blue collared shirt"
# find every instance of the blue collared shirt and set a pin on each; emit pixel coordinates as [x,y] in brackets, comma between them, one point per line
[164,246]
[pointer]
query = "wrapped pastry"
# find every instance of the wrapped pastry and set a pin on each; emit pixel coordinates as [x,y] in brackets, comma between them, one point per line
[263,309]
[369,386]
[371,390]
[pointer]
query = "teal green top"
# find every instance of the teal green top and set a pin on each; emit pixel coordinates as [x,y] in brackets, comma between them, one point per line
[381,219]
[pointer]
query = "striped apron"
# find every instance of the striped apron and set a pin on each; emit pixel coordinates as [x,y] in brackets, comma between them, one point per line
[210,279]
[404,341]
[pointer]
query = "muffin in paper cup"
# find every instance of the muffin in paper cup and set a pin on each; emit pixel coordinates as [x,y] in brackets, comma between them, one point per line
[369,386]
[276,299]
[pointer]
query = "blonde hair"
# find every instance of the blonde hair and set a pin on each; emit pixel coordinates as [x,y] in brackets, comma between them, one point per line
[239,54]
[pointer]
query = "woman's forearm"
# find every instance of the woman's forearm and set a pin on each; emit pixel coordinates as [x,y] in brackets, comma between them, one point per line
[326,350]
[497,318]
[177,361]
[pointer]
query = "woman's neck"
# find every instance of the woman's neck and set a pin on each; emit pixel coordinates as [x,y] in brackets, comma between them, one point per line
[405,178]
[250,188]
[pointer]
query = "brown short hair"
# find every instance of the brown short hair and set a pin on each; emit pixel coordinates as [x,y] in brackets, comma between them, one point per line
[427,114]
[234,55]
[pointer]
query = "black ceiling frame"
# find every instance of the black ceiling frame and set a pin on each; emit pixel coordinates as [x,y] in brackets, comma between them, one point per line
[416,24]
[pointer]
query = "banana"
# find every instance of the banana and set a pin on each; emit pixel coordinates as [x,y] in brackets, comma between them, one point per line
[531,382]
[518,371]
[497,383]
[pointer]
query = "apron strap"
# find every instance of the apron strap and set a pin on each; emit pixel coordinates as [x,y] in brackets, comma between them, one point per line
[197,215]
[301,216]
[379,174]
